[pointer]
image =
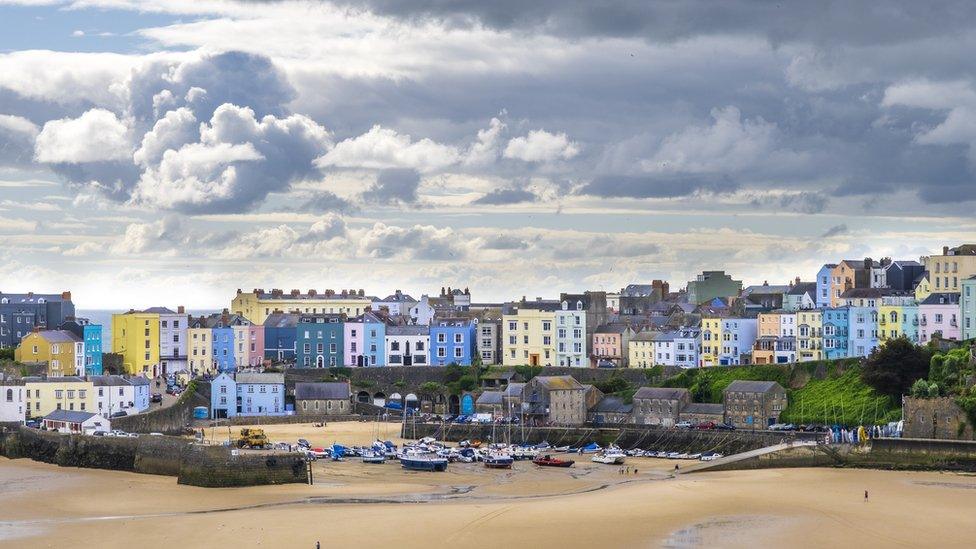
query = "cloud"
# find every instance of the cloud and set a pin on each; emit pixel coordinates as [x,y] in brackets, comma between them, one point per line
[175,129]
[504,242]
[394,185]
[96,136]
[805,202]
[836,230]
[484,150]
[236,163]
[325,201]
[382,148]
[656,185]
[541,146]
[421,242]
[17,135]
[157,236]
[84,249]
[506,196]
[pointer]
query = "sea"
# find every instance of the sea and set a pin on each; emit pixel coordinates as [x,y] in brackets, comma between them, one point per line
[103,317]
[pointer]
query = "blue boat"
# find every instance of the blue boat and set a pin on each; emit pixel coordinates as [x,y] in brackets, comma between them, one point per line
[338,451]
[423,462]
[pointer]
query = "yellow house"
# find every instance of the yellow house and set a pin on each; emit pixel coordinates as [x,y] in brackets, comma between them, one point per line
[809,335]
[923,289]
[948,270]
[640,349]
[528,333]
[711,341]
[199,348]
[61,350]
[59,393]
[135,336]
[257,305]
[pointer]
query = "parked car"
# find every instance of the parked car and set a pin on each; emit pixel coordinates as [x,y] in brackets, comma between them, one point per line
[683,425]
[302,443]
[725,427]
[33,424]
[119,414]
[156,397]
[705,425]
[155,434]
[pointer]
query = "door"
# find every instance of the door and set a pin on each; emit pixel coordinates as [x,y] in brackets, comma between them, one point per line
[533,360]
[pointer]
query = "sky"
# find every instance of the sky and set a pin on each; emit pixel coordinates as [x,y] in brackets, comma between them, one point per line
[167,153]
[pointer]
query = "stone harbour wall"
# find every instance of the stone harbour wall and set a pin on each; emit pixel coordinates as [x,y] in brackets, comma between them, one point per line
[938,418]
[172,420]
[193,464]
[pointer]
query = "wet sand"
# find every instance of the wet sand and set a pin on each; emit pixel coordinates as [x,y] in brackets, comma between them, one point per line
[370,505]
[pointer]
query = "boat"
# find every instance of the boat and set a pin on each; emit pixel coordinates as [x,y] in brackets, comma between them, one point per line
[338,451]
[373,456]
[609,456]
[525,452]
[422,462]
[549,461]
[497,460]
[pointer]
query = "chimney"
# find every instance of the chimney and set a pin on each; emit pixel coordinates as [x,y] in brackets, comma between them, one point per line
[945,250]
[66,296]
[224,317]
[796,281]
[296,293]
[362,292]
[868,263]
[345,293]
[181,309]
[312,293]
[239,292]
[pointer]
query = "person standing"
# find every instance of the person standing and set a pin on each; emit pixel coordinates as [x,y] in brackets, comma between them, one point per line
[865,496]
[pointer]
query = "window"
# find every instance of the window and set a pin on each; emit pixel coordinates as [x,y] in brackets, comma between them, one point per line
[458,338]
[441,337]
[441,352]
[458,352]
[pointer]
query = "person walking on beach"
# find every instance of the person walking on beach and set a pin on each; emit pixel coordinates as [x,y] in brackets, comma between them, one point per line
[865,496]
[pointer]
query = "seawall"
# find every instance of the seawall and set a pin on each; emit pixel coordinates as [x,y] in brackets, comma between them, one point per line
[172,420]
[194,464]
[883,453]
[644,437]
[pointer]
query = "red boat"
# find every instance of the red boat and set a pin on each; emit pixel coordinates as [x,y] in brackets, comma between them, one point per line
[549,461]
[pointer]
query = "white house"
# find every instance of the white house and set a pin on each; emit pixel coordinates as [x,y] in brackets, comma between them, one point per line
[738,337]
[407,346]
[172,338]
[12,407]
[686,347]
[114,394]
[76,423]
[571,335]
[423,312]
[398,303]
[247,394]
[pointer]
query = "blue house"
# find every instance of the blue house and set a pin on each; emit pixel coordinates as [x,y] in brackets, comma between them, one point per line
[824,285]
[374,339]
[246,394]
[836,325]
[862,330]
[318,340]
[223,348]
[452,340]
[92,335]
[280,330]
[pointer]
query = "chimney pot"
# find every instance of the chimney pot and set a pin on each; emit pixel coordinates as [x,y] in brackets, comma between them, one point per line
[181,309]
[945,250]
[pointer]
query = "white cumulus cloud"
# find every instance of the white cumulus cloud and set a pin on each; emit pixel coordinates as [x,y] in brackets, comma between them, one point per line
[542,146]
[95,136]
[382,148]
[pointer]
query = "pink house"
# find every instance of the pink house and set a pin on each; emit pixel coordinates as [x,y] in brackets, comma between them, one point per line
[939,313]
[354,340]
[255,345]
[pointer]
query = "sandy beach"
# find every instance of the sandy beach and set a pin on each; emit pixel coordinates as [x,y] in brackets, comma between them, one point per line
[372,505]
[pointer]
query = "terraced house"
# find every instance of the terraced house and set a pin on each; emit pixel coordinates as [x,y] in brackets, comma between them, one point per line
[809,335]
[948,269]
[62,351]
[319,340]
[257,305]
[939,314]
[898,317]
[135,335]
[754,404]
[967,308]
[836,332]
[452,340]
[21,313]
[528,332]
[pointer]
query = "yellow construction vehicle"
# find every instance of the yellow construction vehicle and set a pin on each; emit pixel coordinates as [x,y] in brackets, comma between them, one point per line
[253,439]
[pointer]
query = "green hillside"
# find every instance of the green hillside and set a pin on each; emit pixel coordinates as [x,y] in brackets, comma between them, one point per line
[818,392]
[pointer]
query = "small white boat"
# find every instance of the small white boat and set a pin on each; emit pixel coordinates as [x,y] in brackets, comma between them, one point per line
[609,457]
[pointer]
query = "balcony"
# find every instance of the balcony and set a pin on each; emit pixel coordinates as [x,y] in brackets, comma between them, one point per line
[924,322]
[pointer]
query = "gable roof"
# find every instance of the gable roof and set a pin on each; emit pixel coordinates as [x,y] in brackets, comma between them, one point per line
[58,336]
[72,416]
[704,408]
[803,288]
[558,383]
[514,389]
[941,299]
[281,320]
[490,397]
[661,393]
[330,390]
[160,311]
[268,379]
[749,386]
[612,405]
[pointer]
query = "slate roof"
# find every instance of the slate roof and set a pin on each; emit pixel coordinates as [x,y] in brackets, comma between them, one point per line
[646,336]
[58,336]
[281,320]
[747,386]
[612,405]
[336,390]
[64,379]
[559,383]
[941,299]
[661,393]
[72,416]
[413,330]
[965,249]
[108,381]
[503,374]
[803,288]
[704,408]
[490,397]
[397,298]
[267,379]
[160,311]
[514,389]
[512,308]
[611,328]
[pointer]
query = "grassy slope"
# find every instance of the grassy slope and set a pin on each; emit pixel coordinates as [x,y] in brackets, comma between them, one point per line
[819,392]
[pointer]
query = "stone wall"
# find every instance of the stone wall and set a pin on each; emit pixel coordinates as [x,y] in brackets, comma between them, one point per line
[193,464]
[645,437]
[939,418]
[172,420]
[218,467]
[278,420]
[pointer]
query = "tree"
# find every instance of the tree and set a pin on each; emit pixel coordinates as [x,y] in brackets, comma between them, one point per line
[112,363]
[920,389]
[892,368]
[431,388]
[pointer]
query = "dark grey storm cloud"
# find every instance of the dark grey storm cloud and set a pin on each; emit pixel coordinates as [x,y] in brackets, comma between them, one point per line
[325,201]
[656,186]
[499,197]
[394,185]
[850,21]
[836,230]
[806,202]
